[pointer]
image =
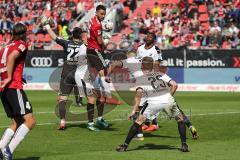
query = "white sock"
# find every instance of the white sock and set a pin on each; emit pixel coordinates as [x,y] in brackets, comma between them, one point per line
[139,135]
[90,123]
[6,138]
[21,132]
[62,121]
[100,118]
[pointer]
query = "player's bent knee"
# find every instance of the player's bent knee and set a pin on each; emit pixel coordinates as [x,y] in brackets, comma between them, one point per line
[102,99]
[30,121]
[61,98]
[179,118]
[14,126]
[91,99]
[140,120]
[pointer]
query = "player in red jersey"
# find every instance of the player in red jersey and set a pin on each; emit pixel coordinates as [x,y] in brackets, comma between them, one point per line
[14,99]
[95,56]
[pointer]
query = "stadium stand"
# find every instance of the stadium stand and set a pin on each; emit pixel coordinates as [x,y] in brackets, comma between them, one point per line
[194,23]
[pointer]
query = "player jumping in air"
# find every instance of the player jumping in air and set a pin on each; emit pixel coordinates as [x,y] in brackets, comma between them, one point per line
[14,99]
[153,86]
[95,56]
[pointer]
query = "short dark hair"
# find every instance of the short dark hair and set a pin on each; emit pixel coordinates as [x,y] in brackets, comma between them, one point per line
[101,7]
[153,35]
[19,31]
[147,63]
[76,33]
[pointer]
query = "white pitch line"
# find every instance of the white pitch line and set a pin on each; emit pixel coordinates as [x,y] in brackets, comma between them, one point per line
[201,114]
[75,122]
[51,112]
[218,113]
[70,122]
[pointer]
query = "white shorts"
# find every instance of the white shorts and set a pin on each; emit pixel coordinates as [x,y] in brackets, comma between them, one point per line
[104,89]
[152,110]
[83,81]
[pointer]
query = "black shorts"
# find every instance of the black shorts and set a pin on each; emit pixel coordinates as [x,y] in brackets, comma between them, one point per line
[67,83]
[15,102]
[96,59]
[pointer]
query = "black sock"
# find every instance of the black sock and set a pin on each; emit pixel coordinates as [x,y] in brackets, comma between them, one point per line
[185,118]
[147,123]
[134,119]
[132,132]
[100,108]
[76,93]
[90,110]
[140,130]
[62,109]
[182,131]
[154,122]
[78,99]
[187,121]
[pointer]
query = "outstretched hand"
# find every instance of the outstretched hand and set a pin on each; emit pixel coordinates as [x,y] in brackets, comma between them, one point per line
[131,115]
[44,20]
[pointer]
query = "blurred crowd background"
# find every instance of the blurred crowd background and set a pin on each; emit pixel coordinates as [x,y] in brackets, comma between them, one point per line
[198,24]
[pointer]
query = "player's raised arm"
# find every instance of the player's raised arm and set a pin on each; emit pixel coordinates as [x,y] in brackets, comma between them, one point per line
[45,24]
[10,67]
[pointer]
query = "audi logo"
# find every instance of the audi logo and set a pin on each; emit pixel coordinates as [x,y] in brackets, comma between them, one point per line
[41,62]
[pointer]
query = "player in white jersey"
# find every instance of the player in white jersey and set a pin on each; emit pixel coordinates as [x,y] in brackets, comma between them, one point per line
[149,49]
[153,86]
[133,64]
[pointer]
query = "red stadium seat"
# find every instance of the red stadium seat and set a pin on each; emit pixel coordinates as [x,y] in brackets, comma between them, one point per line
[202,9]
[1,38]
[47,39]
[40,37]
[203,17]
[31,37]
[206,25]
[126,10]
[190,1]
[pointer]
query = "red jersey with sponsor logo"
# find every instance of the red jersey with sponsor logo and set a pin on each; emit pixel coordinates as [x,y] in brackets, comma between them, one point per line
[21,47]
[95,30]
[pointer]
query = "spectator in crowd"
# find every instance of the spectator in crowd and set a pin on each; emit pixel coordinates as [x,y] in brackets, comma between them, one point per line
[156,9]
[5,25]
[205,39]
[132,4]
[135,26]
[172,23]
[192,10]
[215,28]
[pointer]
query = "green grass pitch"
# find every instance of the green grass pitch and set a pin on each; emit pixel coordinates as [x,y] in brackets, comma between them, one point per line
[215,115]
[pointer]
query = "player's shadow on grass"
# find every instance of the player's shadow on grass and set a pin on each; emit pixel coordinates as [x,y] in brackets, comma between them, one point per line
[28,158]
[158,136]
[84,126]
[150,146]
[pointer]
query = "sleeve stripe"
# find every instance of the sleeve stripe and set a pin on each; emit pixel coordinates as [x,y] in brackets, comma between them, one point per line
[169,81]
